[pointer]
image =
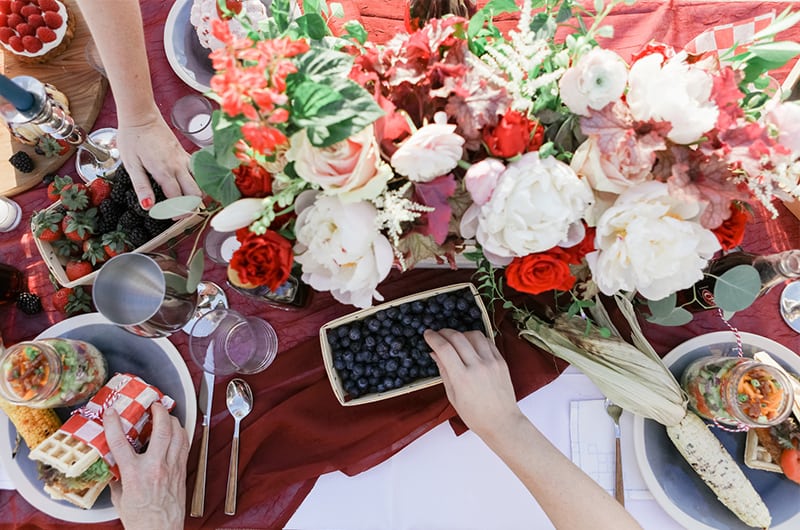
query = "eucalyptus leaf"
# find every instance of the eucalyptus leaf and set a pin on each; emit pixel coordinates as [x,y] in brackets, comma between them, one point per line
[196,266]
[677,317]
[237,215]
[737,288]
[213,178]
[175,207]
[662,308]
[727,315]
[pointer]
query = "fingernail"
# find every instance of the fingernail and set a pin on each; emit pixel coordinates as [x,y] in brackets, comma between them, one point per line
[147,203]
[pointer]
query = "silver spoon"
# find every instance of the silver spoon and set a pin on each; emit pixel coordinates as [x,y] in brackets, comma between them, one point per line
[615,411]
[239,399]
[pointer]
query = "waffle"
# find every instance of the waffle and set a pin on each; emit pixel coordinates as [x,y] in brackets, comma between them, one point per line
[65,453]
[756,456]
[84,500]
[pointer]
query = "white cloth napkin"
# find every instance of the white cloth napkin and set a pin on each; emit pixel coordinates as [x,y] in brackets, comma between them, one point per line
[591,432]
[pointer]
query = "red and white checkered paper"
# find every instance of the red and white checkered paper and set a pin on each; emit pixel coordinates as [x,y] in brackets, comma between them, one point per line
[131,398]
[724,37]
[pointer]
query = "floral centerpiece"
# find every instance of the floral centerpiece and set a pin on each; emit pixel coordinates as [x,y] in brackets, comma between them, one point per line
[563,164]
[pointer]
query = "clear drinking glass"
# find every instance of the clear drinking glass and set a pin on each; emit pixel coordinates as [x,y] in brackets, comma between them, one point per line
[191,115]
[224,341]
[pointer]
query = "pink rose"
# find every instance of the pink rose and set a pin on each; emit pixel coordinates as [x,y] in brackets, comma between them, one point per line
[481,179]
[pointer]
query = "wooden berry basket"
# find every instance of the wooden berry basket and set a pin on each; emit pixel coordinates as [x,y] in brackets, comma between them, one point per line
[56,263]
[327,353]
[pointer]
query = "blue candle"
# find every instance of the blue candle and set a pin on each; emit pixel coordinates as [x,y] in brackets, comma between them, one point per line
[15,94]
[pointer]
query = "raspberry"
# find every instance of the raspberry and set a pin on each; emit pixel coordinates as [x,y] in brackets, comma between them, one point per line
[5,34]
[14,20]
[48,5]
[16,44]
[52,19]
[17,5]
[45,34]
[3,20]
[5,7]
[29,10]
[36,21]
[25,29]
[32,44]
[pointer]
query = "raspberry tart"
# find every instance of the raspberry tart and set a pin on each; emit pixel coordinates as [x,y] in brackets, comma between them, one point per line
[35,31]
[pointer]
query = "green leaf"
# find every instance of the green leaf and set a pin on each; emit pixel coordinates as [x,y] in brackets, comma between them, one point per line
[737,288]
[337,11]
[485,14]
[663,307]
[313,25]
[598,6]
[782,23]
[678,317]
[564,13]
[175,207]
[227,133]
[605,31]
[216,180]
[354,30]
[196,267]
[775,51]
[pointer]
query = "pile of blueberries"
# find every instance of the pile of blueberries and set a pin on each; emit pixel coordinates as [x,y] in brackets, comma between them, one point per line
[386,350]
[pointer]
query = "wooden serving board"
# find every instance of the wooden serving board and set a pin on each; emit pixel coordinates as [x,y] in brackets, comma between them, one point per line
[70,73]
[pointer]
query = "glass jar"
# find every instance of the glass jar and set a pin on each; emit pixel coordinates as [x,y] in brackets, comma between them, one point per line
[737,391]
[49,373]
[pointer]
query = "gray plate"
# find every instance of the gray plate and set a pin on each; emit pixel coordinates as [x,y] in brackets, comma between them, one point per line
[188,59]
[673,483]
[157,361]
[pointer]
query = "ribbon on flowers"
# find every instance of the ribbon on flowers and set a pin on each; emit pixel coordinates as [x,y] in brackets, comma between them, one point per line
[131,397]
[725,36]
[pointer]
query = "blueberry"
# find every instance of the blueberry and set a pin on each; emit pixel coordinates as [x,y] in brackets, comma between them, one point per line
[355,346]
[369,341]
[441,297]
[434,308]
[391,365]
[395,346]
[355,334]
[358,370]
[462,305]
[398,382]
[374,325]
[386,324]
[344,342]
[417,307]
[475,312]
[363,383]
[407,362]
[449,304]
[406,320]
[402,372]
[453,322]
[396,330]
[409,332]
[380,388]
[405,308]
[380,315]
[342,331]
[388,339]
[381,348]
[392,312]
[427,320]
[424,360]
[388,382]
[348,356]
[338,363]
[362,356]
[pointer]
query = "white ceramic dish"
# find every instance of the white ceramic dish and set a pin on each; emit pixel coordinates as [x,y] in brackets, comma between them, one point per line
[188,59]
[676,487]
[157,361]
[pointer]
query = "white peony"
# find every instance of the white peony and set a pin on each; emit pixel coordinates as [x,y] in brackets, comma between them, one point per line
[432,151]
[675,92]
[650,242]
[351,169]
[597,79]
[537,204]
[340,248]
[785,117]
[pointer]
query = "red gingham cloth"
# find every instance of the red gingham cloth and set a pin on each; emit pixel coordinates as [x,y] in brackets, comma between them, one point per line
[131,398]
[725,36]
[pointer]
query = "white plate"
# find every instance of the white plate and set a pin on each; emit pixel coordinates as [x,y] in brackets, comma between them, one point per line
[673,483]
[188,59]
[157,361]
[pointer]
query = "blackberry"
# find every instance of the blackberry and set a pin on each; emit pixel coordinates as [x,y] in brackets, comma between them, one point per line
[156,226]
[29,303]
[137,236]
[106,224]
[132,203]
[118,192]
[122,177]
[157,191]
[22,162]
[128,221]
[47,179]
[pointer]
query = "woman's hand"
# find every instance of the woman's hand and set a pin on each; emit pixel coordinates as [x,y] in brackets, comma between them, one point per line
[151,491]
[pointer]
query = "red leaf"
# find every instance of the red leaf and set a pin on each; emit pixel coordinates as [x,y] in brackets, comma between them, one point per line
[435,194]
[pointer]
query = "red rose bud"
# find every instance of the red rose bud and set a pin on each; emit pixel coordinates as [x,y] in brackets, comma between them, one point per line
[541,272]
[731,232]
[513,135]
[253,180]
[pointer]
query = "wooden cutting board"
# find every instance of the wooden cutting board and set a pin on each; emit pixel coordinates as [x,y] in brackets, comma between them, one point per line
[71,74]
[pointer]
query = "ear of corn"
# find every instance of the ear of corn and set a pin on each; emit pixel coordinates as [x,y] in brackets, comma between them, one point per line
[34,425]
[636,378]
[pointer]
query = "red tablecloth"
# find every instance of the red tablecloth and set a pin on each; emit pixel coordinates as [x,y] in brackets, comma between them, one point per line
[298,430]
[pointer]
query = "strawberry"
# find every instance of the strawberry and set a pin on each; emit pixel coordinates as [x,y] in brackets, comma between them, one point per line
[5,7]
[72,300]
[6,34]
[115,243]
[29,10]
[48,5]
[52,19]
[35,21]
[49,146]
[99,190]
[14,20]
[45,34]
[94,251]
[78,268]
[17,5]
[16,44]
[78,226]
[75,197]
[46,225]
[25,30]
[32,44]
[55,188]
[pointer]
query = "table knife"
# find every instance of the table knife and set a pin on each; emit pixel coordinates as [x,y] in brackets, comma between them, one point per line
[205,397]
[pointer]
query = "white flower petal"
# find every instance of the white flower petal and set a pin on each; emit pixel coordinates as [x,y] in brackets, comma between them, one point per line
[237,215]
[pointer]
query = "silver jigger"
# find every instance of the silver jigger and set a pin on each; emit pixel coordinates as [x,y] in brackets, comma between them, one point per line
[103,155]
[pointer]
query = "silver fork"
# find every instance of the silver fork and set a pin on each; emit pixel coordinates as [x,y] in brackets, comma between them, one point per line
[615,411]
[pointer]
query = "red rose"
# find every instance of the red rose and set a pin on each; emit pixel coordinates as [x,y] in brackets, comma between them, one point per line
[264,259]
[580,250]
[731,232]
[513,135]
[253,180]
[541,272]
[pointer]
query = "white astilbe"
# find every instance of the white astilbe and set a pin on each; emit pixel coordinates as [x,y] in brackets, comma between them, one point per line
[394,210]
[783,181]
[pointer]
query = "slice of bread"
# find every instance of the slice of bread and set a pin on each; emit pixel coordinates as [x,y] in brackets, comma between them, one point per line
[84,499]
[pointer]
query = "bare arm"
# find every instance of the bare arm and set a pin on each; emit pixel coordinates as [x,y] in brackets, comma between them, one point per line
[145,140]
[478,385]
